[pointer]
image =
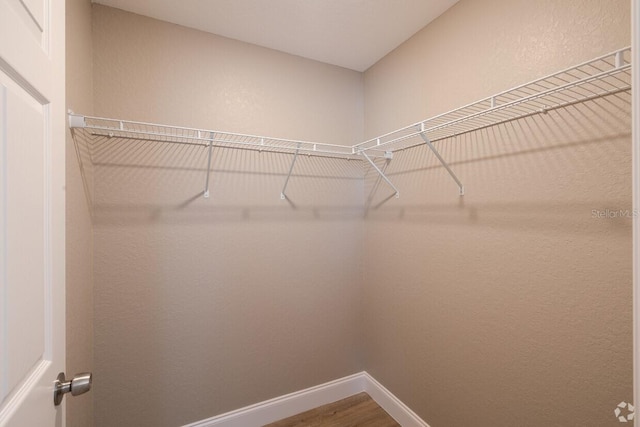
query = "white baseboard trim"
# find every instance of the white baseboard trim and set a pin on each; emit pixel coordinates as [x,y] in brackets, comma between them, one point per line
[285,406]
[394,406]
[291,404]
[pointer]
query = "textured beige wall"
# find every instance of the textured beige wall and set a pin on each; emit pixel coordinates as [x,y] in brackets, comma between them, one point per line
[206,305]
[512,305]
[79,278]
[508,307]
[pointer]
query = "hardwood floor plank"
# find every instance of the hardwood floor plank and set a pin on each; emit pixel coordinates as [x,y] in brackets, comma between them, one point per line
[355,411]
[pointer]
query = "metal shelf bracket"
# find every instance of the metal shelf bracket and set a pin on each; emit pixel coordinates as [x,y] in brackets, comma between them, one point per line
[206,184]
[283,193]
[76,120]
[382,175]
[439,157]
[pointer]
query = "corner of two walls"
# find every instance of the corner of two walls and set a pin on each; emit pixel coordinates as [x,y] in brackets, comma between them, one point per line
[510,305]
[79,233]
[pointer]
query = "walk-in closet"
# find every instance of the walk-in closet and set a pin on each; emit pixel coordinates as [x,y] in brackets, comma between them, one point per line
[433,227]
[464,256]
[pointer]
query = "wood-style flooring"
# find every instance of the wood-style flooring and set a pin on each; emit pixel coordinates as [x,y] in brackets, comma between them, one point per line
[354,411]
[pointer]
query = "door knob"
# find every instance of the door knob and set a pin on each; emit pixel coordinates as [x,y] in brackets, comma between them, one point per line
[80,383]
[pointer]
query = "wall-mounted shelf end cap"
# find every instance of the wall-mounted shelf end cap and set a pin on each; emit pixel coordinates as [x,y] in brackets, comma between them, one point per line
[76,121]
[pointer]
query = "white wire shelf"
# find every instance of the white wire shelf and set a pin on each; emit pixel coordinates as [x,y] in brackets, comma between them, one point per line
[606,75]
[125,129]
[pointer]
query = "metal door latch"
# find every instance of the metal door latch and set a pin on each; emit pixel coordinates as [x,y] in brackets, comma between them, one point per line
[80,384]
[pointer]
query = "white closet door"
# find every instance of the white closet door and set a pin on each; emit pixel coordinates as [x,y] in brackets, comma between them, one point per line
[32,132]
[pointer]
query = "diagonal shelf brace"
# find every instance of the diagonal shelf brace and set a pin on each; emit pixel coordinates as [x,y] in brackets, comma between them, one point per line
[283,193]
[206,184]
[446,166]
[382,175]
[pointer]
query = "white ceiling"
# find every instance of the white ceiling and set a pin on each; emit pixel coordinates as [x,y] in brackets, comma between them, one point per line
[353,34]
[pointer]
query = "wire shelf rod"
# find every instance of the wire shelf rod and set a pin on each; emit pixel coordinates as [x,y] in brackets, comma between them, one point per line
[508,105]
[533,113]
[264,149]
[184,139]
[190,134]
[122,127]
[613,70]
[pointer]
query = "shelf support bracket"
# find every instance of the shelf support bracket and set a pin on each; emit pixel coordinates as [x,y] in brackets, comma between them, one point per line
[382,175]
[206,184]
[76,120]
[446,166]
[283,193]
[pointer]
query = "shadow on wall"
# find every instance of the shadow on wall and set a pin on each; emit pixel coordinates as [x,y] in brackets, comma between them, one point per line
[568,167]
[556,167]
[137,181]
